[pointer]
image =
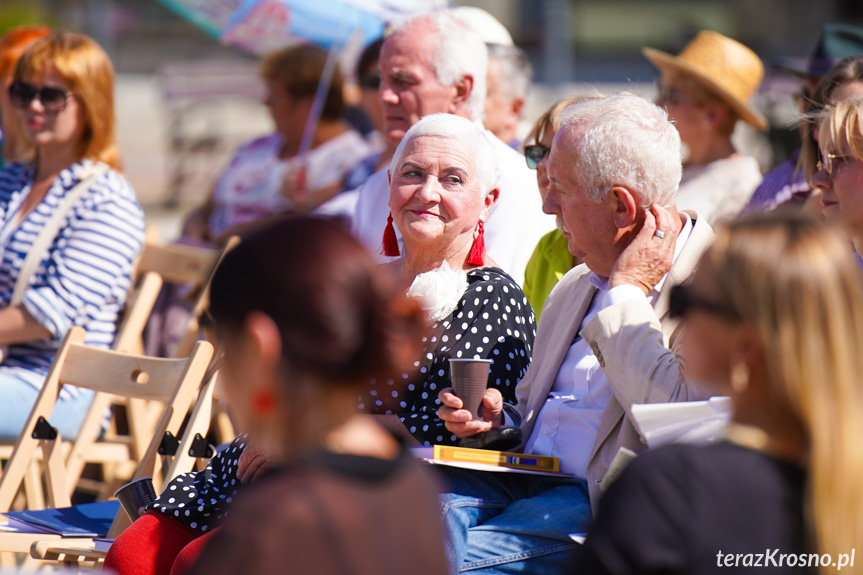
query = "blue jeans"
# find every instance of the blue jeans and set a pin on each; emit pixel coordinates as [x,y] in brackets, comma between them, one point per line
[511,523]
[16,402]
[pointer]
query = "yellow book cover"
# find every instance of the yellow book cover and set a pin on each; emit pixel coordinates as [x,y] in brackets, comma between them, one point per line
[501,458]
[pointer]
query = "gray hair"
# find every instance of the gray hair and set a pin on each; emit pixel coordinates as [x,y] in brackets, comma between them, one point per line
[460,131]
[515,69]
[625,140]
[460,52]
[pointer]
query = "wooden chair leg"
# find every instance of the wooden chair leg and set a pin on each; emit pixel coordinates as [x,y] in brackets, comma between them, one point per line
[34,497]
[55,473]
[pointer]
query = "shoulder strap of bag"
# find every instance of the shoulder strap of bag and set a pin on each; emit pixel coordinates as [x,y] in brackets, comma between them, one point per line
[49,232]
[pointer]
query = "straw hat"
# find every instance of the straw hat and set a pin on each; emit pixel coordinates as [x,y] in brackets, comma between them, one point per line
[723,66]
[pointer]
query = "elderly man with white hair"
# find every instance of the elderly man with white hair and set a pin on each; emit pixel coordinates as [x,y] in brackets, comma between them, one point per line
[605,341]
[431,64]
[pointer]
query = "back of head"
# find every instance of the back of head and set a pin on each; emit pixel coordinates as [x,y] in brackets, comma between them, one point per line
[341,320]
[298,70]
[515,69]
[14,42]
[625,140]
[550,119]
[796,281]
[462,132]
[489,28]
[459,52]
[88,72]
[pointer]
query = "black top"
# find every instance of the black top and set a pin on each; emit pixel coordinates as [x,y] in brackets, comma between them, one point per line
[493,321]
[674,510]
[333,514]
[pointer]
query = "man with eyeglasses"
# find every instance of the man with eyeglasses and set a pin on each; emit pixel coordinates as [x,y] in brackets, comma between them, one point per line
[437,64]
[605,342]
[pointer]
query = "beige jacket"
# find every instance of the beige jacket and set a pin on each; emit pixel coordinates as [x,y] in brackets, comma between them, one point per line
[635,344]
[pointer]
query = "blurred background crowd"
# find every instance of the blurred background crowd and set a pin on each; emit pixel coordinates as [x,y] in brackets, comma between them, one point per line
[184,102]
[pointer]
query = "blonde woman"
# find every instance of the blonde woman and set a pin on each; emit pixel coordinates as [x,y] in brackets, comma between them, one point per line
[839,175]
[774,318]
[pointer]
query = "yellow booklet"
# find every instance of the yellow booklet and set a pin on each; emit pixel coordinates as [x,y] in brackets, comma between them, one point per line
[497,458]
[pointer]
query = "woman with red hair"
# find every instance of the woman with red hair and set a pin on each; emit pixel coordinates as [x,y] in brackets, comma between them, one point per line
[70,225]
[12,45]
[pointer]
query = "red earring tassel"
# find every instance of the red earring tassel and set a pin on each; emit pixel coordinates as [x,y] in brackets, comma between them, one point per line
[390,245]
[477,251]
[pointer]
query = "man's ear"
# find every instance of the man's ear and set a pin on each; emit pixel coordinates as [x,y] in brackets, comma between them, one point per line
[463,89]
[516,107]
[624,207]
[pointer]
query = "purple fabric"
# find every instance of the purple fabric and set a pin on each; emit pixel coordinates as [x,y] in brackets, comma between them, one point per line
[780,185]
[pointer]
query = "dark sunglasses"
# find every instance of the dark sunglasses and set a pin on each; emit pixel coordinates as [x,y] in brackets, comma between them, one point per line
[372,82]
[681,301]
[534,155]
[53,99]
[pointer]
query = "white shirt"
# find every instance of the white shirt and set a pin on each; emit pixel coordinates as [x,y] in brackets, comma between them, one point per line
[567,424]
[513,229]
[719,189]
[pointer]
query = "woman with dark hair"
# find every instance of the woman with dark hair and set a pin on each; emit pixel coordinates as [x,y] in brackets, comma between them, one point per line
[305,317]
[66,205]
[369,80]
[269,175]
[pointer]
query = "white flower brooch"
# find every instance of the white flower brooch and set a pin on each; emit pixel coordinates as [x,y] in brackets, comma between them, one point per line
[439,291]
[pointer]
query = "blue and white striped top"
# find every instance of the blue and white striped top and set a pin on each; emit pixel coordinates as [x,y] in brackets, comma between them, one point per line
[84,276]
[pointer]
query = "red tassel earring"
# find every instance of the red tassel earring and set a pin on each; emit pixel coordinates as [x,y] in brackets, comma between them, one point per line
[477,250]
[390,246]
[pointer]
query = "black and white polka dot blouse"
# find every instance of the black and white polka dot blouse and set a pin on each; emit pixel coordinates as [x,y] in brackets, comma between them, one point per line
[201,499]
[493,321]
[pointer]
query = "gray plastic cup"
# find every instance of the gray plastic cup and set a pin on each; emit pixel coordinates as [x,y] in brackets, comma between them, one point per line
[135,496]
[469,381]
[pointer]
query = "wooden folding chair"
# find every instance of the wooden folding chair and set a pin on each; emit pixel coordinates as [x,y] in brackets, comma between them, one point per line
[138,307]
[186,265]
[192,448]
[86,448]
[174,264]
[172,381]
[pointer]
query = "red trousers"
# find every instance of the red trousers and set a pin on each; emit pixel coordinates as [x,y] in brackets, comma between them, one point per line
[155,544]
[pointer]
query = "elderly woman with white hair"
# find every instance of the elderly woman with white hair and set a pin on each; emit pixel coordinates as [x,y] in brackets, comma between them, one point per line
[441,192]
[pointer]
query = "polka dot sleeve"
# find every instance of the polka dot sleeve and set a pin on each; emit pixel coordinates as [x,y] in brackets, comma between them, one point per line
[492,321]
[201,499]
